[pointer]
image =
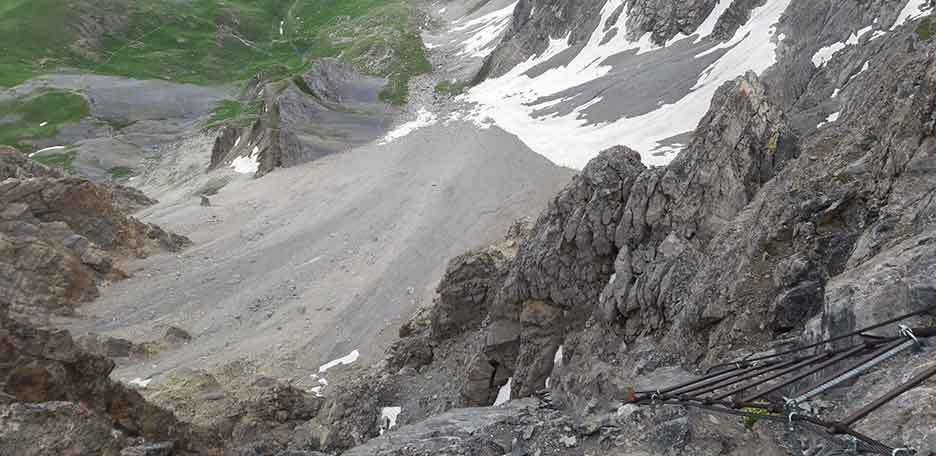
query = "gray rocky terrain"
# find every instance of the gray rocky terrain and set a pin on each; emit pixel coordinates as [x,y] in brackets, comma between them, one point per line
[351,278]
[131,121]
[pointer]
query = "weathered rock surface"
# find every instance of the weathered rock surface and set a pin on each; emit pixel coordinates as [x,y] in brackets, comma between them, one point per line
[59,236]
[330,109]
[768,229]
[536,22]
[48,382]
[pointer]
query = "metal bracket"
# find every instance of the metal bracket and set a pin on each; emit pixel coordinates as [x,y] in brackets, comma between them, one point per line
[852,445]
[907,332]
[903,452]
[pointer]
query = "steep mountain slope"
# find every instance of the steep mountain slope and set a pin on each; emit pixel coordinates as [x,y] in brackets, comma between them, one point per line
[755,174]
[799,210]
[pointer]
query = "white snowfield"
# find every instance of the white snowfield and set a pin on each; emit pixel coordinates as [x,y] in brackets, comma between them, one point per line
[570,140]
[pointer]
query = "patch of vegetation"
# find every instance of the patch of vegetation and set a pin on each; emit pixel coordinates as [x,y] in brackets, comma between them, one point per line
[58,160]
[235,113]
[121,173]
[750,421]
[451,88]
[380,41]
[211,42]
[926,29]
[39,115]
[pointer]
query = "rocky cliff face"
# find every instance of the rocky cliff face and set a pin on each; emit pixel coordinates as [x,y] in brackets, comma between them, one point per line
[537,22]
[330,109]
[800,209]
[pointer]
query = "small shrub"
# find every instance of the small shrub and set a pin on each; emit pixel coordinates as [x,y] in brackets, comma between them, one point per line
[750,421]
[926,29]
[451,88]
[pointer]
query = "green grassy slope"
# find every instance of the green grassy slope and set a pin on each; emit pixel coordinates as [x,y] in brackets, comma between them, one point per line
[39,116]
[210,41]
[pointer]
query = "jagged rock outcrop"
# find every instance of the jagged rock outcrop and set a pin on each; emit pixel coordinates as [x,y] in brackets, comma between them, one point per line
[330,109]
[48,382]
[771,227]
[59,236]
[629,238]
[536,22]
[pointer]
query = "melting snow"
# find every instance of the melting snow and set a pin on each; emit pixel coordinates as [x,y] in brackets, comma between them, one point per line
[389,415]
[43,124]
[569,140]
[503,394]
[249,164]
[237,142]
[282,24]
[316,390]
[914,9]
[836,92]
[424,118]
[348,359]
[140,382]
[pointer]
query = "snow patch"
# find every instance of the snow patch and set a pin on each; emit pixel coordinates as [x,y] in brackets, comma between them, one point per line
[865,67]
[569,140]
[855,37]
[347,359]
[140,382]
[836,92]
[503,394]
[389,416]
[282,24]
[831,118]
[424,118]
[914,9]
[824,54]
[43,124]
[557,360]
[47,149]
[237,142]
[249,164]
[316,390]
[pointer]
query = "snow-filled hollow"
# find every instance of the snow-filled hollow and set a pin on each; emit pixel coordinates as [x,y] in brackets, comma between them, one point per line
[509,101]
